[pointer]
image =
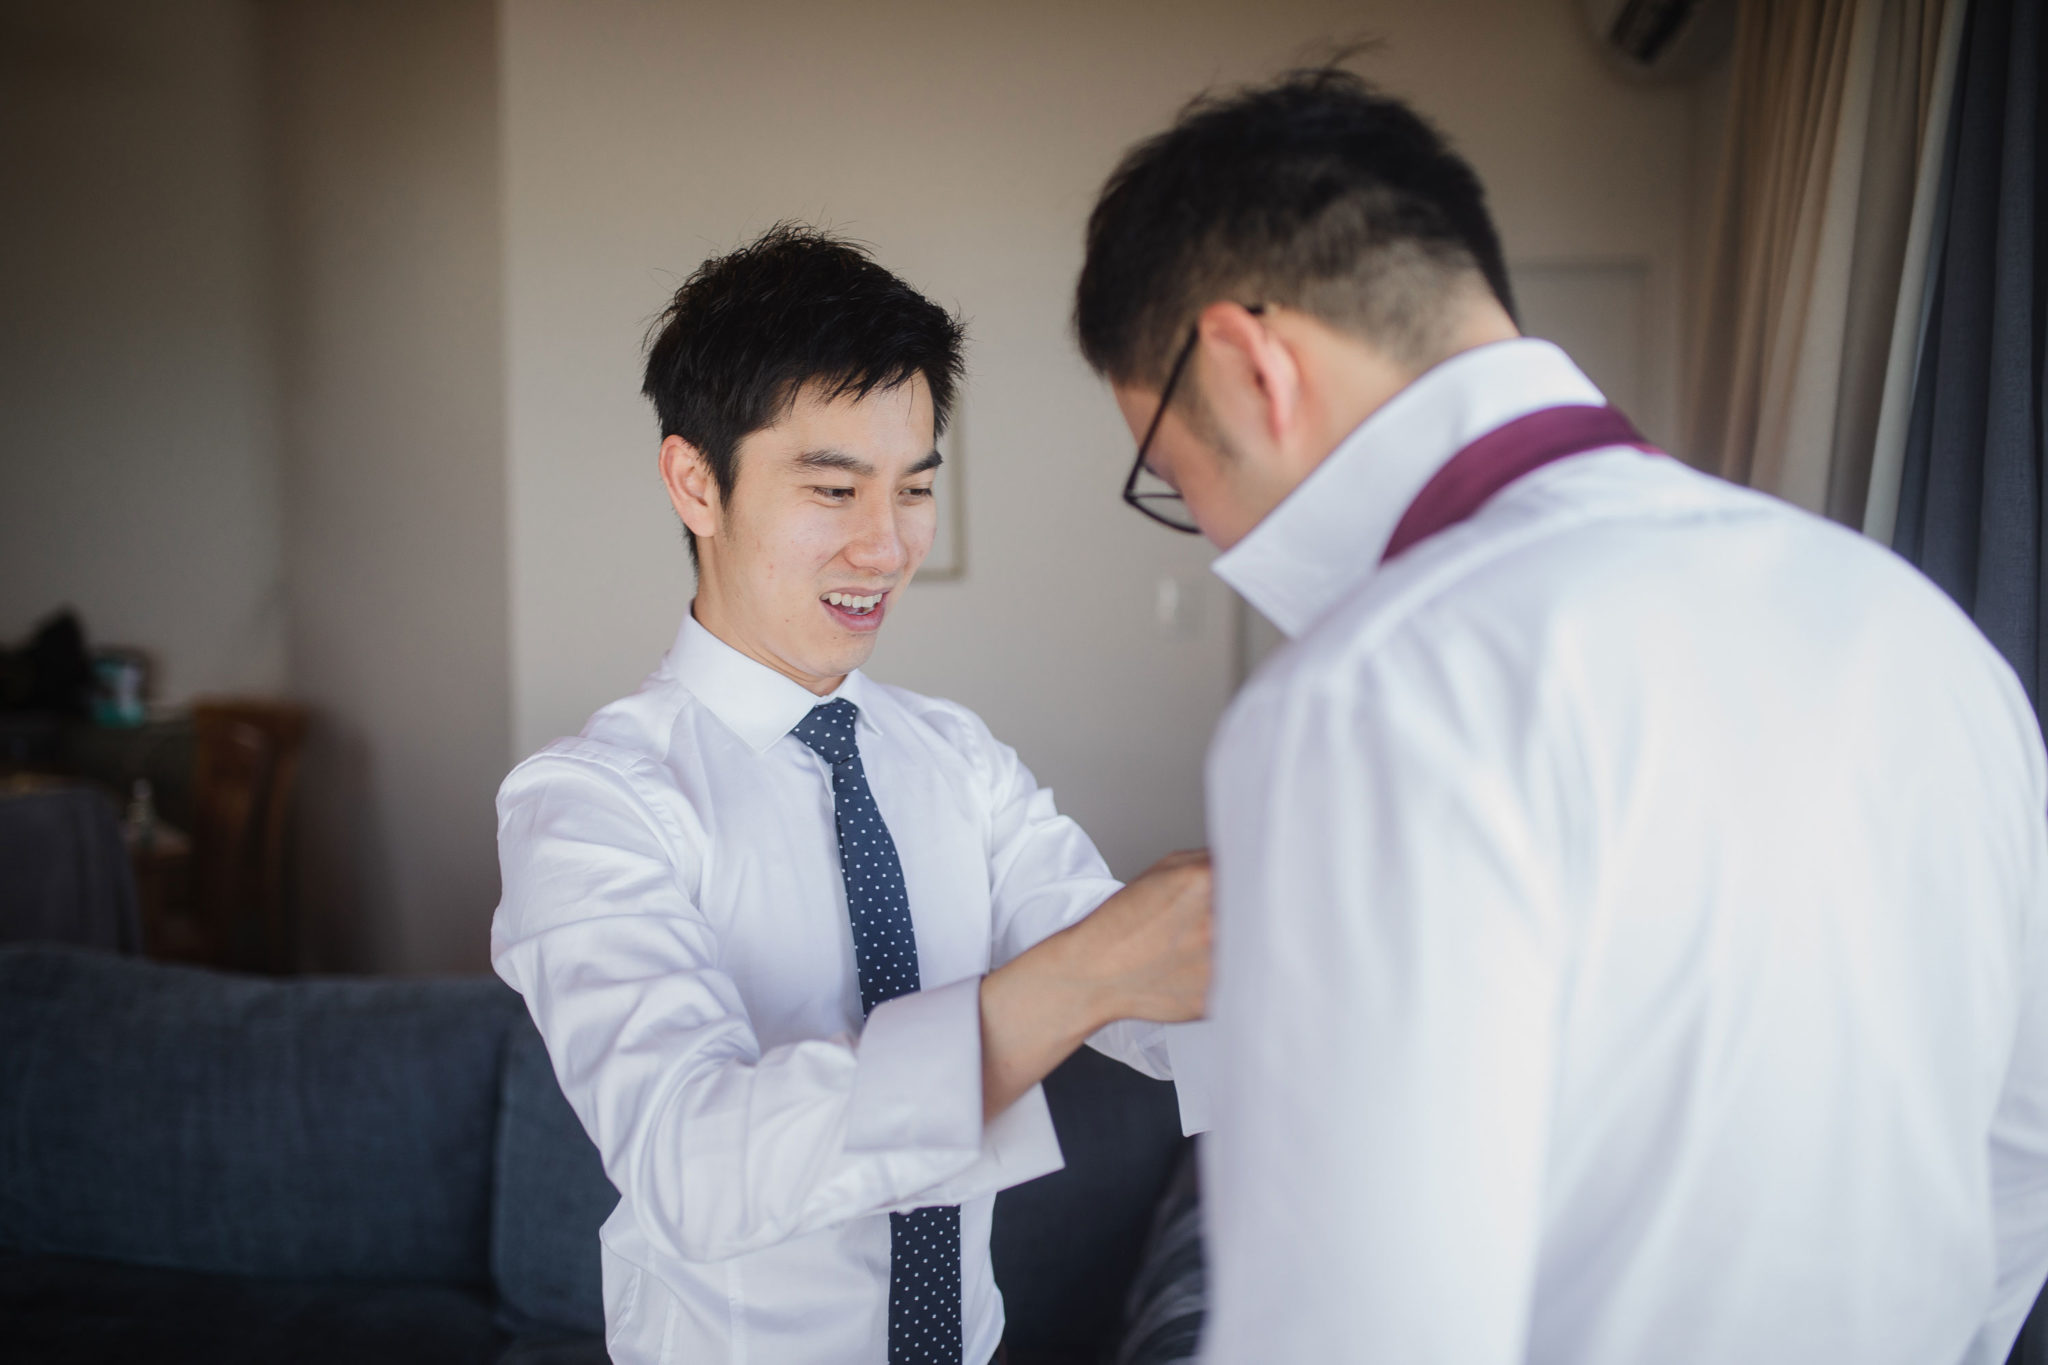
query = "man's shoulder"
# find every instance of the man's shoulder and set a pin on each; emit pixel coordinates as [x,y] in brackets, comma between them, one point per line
[592,775]
[932,720]
[1613,540]
[1609,576]
[1603,544]
[637,740]
[580,752]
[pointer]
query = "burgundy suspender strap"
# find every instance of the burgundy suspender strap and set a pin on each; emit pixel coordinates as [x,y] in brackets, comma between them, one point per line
[1503,455]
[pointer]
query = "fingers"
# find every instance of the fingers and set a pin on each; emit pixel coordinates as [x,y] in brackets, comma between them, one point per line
[1153,939]
[1187,857]
[1182,935]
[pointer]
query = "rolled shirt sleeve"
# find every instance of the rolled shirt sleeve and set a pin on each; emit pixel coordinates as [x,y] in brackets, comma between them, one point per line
[722,1148]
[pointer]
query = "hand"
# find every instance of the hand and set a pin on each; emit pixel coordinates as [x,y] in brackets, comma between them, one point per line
[1149,944]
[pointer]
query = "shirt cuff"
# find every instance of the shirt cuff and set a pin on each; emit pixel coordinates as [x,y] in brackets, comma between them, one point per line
[1138,1044]
[917,1074]
[1188,1049]
[1166,1052]
[1019,1145]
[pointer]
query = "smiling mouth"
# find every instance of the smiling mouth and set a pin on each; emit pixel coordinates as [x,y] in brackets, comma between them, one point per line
[852,604]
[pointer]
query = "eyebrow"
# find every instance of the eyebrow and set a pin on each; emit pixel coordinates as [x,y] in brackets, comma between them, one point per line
[859,468]
[835,459]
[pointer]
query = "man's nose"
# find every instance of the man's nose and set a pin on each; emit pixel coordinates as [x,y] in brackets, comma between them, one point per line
[878,546]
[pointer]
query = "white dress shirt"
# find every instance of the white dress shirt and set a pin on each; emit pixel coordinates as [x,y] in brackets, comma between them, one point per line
[673,914]
[1630,940]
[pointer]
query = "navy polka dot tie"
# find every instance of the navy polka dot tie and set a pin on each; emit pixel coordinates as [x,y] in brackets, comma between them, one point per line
[924,1245]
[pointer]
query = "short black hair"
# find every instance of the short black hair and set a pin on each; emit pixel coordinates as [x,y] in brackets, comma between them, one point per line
[796,307]
[1315,191]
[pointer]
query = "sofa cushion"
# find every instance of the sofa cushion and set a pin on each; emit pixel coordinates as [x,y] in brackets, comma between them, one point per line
[548,1201]
[308,1128]
[57,1310]
[1066,1245]
[1170,1298]
[556,1351]
[2032,1346]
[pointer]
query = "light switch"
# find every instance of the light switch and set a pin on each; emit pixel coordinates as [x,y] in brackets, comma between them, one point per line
[1177,606]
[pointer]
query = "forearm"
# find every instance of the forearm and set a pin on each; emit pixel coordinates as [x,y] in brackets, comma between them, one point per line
[1141,954]
[1036,1010]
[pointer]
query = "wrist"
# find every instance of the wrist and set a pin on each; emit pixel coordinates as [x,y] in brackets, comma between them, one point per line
[1036,1010]
[1080,962]
[1057,983]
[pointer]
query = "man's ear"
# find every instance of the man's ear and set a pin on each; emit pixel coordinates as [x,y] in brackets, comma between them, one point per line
[691,489]
[1250,373]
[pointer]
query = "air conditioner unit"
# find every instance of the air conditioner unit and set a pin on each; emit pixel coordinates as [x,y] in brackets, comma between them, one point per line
[1662,40]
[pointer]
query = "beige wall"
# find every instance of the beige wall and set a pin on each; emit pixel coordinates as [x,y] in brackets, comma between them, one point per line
[965,143]
[386,140]
[137,475]
[357,418]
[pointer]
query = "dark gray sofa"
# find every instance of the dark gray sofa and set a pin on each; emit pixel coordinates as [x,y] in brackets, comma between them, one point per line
[204,1167]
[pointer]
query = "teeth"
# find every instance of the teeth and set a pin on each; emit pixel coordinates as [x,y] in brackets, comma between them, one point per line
[852,603]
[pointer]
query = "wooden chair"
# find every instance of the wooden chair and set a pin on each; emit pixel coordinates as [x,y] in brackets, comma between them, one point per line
[245,765]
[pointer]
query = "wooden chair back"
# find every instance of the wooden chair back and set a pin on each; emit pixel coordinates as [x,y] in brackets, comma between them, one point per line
[245,766]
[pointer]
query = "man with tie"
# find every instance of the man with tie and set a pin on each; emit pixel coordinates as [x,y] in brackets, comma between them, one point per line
[1630,890]
[802,945]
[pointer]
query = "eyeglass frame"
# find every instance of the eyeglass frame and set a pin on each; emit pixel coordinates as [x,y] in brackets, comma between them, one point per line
[1138,466]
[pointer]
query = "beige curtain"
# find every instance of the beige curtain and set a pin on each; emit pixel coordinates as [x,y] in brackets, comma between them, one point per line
[1809,269]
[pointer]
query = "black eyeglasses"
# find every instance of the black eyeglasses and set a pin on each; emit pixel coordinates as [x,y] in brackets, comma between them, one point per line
[1164,504]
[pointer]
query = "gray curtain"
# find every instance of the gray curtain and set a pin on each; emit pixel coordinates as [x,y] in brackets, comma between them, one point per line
[1970,499]
[1971,492]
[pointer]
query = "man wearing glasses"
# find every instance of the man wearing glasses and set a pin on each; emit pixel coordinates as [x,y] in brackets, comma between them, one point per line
[1630,890]
[802,945]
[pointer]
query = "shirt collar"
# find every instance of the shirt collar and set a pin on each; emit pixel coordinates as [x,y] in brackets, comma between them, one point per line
[1329,533]
[753,700]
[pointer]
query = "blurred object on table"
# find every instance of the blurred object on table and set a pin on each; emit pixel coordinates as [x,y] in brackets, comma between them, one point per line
[121,687]
[51,673]
[160,856]
[159,751]
[55,681]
